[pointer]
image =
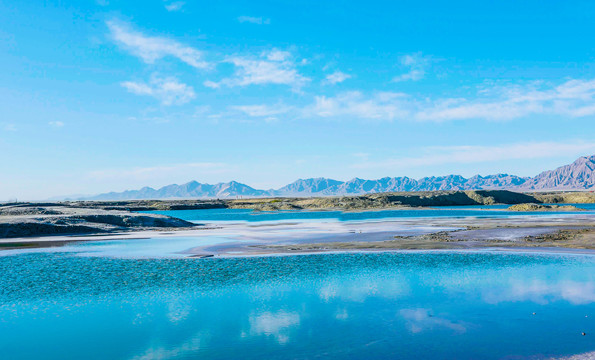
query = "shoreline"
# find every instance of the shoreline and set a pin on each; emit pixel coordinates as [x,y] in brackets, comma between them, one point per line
[87,217]
[287,237]
[520,250]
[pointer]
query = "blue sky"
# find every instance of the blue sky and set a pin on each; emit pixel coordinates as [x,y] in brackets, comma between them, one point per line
[112,95]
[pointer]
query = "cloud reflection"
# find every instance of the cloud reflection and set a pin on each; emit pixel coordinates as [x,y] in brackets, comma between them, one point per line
[192,345]
[358,290]
[275,324]
[419,320]
[542,292]
[178,310]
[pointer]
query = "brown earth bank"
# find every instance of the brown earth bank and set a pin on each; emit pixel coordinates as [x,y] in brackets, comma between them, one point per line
[567,197]
[541,207]
[556,237]
[356,202]
[96,217]
[576,231]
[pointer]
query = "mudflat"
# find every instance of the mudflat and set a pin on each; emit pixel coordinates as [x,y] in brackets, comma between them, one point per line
[30,225]
[576,231]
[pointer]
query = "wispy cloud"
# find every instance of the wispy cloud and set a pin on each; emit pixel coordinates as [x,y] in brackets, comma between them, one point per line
[271,67]
[262,110]
[167,90]
[416,64]
[175,6]
[160,172]
[573,98]
[481,154]
[254,20]
[56,123]
[153,48]
[337,77]
[381,106]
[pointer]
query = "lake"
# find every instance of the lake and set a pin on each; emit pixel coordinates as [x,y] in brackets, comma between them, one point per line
[413,305]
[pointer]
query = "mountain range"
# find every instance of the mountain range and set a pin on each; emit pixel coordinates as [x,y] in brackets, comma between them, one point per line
[580,175]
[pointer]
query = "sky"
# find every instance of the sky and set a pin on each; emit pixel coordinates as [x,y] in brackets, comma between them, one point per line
[109,95]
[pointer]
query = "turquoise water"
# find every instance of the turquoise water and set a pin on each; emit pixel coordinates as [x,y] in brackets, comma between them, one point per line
[145,248]
[446,211]
[433,305]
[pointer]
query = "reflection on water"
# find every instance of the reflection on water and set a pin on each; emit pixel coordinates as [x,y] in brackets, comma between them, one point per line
[155,247]
[275,324]
[418,320]
[542,292]
[372,306]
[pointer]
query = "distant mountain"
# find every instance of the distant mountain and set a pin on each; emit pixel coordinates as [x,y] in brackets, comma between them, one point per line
[580,175]
[499,181]
[191,189]
[308,186]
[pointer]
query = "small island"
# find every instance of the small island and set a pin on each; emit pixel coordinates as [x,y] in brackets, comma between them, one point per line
[542,207]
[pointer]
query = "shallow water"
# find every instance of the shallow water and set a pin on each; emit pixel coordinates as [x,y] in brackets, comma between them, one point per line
[172,245]
[246,215]
[384,305]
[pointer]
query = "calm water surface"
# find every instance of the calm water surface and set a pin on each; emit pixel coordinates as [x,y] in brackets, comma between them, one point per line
[247,215]
[433,305]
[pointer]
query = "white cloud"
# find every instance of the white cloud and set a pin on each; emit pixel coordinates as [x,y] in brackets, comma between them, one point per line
[271,67]
[153,48]
[337,77]
[381,106]
[262,110]
[277,55]
[573,98]
[56,123]
[254,20]
[159,172]
[482,154]
[167,90]
[175,6]
[416,63]
[211,84]
[412,75]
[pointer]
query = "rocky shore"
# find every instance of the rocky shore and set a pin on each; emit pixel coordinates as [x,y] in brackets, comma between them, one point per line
[540,207]
[97,217]
[71,224]
[474,234]
[25,220]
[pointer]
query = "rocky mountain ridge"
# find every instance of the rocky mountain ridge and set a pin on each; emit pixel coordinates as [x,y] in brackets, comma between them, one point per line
[580,175]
